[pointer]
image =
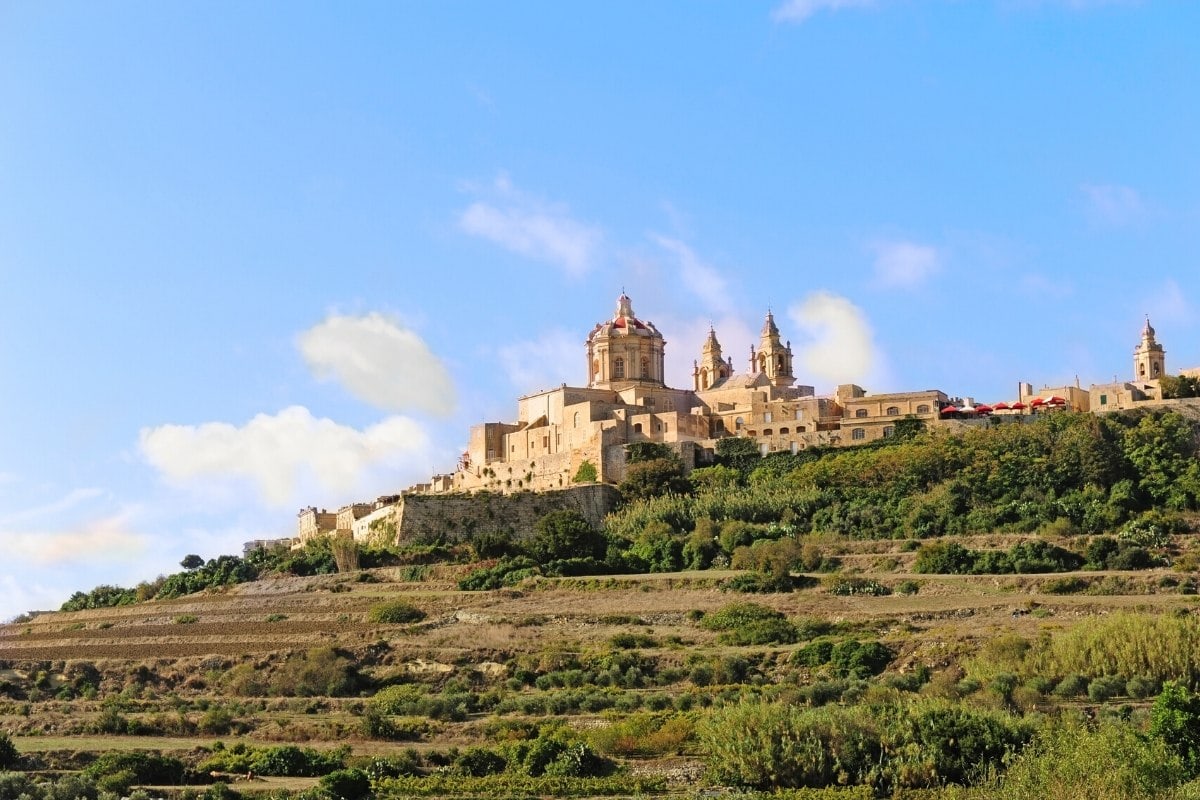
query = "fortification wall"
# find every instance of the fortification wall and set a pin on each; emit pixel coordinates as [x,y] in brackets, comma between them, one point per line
[460,517]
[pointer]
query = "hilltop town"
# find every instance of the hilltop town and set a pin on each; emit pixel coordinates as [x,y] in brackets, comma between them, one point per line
[573,436]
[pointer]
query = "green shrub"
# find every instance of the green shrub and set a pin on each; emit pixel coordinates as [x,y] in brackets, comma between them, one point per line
[395,612]
[1073,685]
[1070,585]
[347,784]
[9,757]
[186,619]
[1106,687]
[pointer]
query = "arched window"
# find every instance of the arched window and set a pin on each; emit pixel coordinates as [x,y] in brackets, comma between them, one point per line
[637,427]
[768,432]
[893,411]
[922,409]
[783,431]
[862,412]
[645,367]
[619,368]
[738,423]
[596,369]
[576,419]
[858,434]
[703,379]
[888,430]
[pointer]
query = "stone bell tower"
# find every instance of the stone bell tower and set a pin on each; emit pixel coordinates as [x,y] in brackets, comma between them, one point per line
[773,358]
[1149,358]
[711,369]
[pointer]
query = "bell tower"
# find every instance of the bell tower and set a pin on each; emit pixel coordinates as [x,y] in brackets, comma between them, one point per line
[773,358]
[710,370]
[1149,358]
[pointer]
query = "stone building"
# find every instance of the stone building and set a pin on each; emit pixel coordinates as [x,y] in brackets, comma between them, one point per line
[569,433]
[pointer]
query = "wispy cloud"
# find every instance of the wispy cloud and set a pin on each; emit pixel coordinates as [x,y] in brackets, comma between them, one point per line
[1113,204]
[380,362]
[1168,303]
[108,538]
[70,501]
[800,10]
[552,358]
[704,281]
[283,455]
[533,228]
[841,346]
[904,264]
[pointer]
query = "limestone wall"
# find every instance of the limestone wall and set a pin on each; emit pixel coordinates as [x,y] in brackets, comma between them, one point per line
[460,517]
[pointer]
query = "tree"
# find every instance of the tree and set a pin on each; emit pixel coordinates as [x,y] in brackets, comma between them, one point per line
[1175,719]
[586,473]
[192,561]
[659,476]
[565,534]
[738,452]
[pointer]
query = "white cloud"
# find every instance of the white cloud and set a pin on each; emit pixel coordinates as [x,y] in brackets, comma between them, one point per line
[800,10]
[1112,204]
[72,499]
[283,454]
[904,264]
[547,361]
[107,538]
[532,228]
[842,347]
[379,362]
[702,280]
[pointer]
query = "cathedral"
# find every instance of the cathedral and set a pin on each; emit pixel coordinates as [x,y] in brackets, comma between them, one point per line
[572,434]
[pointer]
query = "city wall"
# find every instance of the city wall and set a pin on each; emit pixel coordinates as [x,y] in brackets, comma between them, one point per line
[461,517]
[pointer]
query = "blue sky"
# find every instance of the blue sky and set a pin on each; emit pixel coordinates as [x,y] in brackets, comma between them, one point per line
[256,256]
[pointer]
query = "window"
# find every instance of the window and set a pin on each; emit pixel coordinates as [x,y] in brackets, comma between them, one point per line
[658,427]
[576,419]
[888,430]
[1103,399]
[637,427]
[893,411]
[768,432]
[783,431]
[767,416]
[858,434]
[922,409]
[645,368]
[619,368]
[862,412]
[491,453]
[669,404]
[738,423]
[546,442]
[666,427]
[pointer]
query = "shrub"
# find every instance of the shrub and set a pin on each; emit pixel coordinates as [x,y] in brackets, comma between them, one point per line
[1106,687]
[1065,585]
[1073,685]
[853,659]
[9,757]
[347,784]
[395,612]
[186,619]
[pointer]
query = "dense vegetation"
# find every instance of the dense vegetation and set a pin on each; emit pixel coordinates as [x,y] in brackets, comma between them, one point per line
[766,700]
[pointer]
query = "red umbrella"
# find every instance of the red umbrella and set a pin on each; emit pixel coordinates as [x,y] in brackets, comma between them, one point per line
[1037,401]
[949,410]
[1018,406]
[983,408]
[1001,406]
[1056,401]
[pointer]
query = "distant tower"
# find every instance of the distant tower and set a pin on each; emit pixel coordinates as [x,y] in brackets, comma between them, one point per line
[710,369]
[625,351]
[1149,358]
[774,358]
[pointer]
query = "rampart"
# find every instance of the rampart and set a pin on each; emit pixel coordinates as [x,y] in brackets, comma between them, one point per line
[461,517]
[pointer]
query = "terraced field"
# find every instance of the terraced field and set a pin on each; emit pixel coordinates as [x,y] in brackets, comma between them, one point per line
[295,660]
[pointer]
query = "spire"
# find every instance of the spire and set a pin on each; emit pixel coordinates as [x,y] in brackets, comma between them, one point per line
[769,328]
[1148,330]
